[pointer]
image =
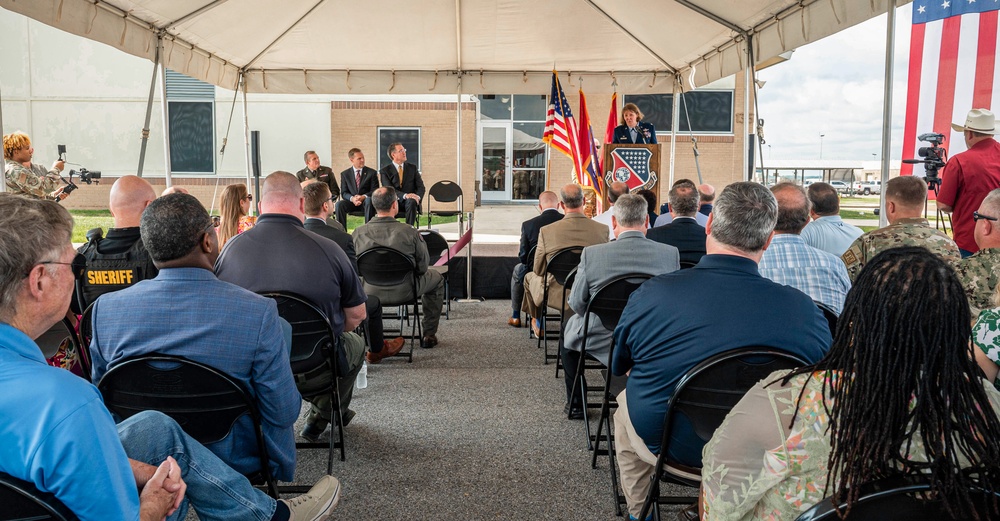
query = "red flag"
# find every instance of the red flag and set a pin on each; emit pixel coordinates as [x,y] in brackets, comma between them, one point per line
[609,131]
[588,155]
[952,69]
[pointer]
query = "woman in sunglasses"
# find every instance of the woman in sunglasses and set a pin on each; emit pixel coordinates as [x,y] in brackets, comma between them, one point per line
[235,206]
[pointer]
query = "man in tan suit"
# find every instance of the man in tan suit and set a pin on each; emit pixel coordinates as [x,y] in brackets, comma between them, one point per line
[575,229]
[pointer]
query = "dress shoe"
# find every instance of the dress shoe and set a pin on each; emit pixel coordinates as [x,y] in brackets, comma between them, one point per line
[514,322]
[429,341]
[536,329]
[313,429]
[389,348]
[576,413]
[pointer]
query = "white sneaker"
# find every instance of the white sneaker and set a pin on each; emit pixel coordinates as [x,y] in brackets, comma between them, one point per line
[316,504]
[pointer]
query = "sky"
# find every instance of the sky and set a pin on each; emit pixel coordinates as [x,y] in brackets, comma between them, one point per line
[834,87]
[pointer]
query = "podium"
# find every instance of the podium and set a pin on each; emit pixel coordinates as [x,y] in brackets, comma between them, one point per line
[635,165]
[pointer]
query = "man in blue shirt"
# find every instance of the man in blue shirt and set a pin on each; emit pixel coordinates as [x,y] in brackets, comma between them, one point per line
[721,304]
[828,231]
[57,433]
[792,262]
[246,341]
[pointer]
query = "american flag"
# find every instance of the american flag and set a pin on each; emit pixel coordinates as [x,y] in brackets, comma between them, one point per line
[588,155]
[953,47]
[560,128]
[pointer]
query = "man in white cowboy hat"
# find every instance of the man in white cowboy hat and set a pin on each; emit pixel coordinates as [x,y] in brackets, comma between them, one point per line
[969,176]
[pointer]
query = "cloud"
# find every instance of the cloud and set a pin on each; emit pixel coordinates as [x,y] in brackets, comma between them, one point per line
[834,87]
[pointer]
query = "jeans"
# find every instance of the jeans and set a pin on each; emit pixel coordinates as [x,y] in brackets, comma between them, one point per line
[216,491]
[517,288]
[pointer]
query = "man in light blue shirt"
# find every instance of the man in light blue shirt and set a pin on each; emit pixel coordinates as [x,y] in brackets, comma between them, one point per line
[828,231]
[792,262]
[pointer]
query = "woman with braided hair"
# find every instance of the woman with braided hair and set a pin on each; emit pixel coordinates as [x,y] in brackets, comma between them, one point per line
[898,394]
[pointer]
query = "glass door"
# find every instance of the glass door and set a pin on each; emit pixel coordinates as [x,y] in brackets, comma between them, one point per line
[495,160]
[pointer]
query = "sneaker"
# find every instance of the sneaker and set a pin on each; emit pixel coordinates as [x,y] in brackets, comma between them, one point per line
[316,504]
[313,429]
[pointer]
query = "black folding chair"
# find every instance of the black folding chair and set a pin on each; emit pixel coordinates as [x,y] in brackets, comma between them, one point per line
[530,265]
[568,284]
[389,268]
[21,500]
[204,401]
[898,499]
[315,348]
[446,192]
[705,395]
[437,247]
[607,303]
[63,335]
[559,266]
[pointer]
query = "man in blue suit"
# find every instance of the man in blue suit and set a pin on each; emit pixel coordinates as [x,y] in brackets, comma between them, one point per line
[684,232]
[405,179]
[357,184]
[548,203]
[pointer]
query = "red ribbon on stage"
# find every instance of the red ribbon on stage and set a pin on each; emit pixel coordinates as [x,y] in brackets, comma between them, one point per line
[457,247]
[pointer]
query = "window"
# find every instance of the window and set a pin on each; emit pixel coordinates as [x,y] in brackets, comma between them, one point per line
[711,111]
[408,136]
[191,120]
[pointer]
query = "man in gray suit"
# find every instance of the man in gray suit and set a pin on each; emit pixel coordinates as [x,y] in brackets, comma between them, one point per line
[631,252]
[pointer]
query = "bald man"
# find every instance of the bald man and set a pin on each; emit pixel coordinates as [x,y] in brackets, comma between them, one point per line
[707,192]
[118,260]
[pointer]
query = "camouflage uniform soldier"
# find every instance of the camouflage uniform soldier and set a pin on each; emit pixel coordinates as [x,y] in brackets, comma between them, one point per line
[904,201]
[33,181]
[980,272]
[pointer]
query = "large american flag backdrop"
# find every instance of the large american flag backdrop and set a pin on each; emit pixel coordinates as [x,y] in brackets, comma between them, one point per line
[953,46]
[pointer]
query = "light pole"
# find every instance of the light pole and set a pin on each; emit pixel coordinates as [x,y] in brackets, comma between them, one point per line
[821,136]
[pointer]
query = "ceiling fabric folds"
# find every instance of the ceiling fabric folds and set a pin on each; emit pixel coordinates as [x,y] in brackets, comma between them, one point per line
[450,46]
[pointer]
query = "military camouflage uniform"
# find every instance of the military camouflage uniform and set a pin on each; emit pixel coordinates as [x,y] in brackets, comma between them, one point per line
[979,274]
[905,232]
[34,181]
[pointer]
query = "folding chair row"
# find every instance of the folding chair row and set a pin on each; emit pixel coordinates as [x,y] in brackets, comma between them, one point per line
[389,268]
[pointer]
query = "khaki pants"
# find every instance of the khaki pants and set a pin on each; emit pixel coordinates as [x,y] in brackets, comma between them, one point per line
[635,462]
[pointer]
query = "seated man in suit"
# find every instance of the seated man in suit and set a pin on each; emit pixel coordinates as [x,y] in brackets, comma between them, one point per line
[548,203]
[315,171]
[385,230]
[630,253]
[249,345]
[318,205]
[713,308]
[279,254]
[683,232]
[357,183]
[574,229]
[404,178]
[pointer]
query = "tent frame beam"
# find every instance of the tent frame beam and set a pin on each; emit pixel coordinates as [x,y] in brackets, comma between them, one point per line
[626,32]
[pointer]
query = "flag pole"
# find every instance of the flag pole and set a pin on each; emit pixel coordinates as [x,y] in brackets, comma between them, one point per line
[890,44]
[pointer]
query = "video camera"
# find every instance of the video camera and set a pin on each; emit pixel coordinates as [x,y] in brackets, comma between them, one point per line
[87,176]
[935,157]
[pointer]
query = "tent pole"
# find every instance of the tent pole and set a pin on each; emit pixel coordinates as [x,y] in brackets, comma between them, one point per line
[458,165]
[890,44]
[3,178]
[149,106]
[746,114]
[166,123]
[675,120]
[246,139]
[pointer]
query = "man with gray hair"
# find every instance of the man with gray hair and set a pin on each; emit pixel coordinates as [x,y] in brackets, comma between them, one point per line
[722,304]
[281,255]
[574,229]
[792,262]
[683,232]
[57,433]
[980,272]
[385,230]
[615,190]
[667,212]
[630,253]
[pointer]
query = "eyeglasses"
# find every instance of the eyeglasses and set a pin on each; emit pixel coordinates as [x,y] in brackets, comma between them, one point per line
[976,216]
[78,266]
[249,197]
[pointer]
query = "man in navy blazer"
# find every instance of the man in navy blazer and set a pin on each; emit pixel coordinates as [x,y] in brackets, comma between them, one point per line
[548,203]
[355,194]
[409,189]
[684,232]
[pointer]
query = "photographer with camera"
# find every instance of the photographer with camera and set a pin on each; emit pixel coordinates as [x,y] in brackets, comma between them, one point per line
[969,176]
[27,178]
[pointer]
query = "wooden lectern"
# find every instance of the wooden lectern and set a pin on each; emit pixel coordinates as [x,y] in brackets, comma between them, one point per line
[638,166]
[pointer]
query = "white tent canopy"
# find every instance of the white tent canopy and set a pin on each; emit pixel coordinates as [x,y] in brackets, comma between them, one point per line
[449,46]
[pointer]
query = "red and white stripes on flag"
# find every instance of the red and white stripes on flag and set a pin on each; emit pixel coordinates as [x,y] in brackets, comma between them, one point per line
[561,132]
[953,46]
